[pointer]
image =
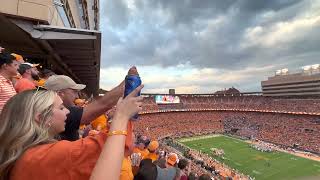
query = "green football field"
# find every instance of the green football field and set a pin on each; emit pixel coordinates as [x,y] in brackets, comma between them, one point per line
[261,165]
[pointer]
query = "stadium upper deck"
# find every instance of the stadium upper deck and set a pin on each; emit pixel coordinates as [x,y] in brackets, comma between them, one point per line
[237,103]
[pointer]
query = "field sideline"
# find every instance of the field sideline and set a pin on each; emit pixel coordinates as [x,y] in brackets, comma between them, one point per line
[260,165]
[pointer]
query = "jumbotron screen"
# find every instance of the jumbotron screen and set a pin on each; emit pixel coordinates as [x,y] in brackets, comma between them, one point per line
[167,99]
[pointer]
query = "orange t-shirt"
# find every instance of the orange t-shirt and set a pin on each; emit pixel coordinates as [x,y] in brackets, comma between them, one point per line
[24,84]
[99,123]
[126,169]
[144,153]
[60,160]
[152,156]
[41,82]
[129,138]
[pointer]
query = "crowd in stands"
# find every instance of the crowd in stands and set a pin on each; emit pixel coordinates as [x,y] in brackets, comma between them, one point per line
[299,131]
[202,163]
[162,125]
[149,104]
[171,164]
[269,130]
[245,103]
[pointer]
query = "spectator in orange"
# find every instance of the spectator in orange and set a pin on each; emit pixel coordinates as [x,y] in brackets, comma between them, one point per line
[18,58]
[37,155]
[8,69]
[141,147]
[45,74]
[80,102]
[126,169]
[99,123]
[40,82]
[82,127]
[29,74]
[172,160]
[152,147]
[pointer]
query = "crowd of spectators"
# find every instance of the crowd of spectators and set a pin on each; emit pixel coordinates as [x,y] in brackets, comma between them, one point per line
[243,103]
[160,125]
[298,131]
[54,118]
[39,126]
[202,163]
[268,130]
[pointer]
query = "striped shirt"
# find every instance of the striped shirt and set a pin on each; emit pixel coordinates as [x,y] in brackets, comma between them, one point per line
[6,91]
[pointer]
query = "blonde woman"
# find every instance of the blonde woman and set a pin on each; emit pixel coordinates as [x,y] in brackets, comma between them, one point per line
[28,124]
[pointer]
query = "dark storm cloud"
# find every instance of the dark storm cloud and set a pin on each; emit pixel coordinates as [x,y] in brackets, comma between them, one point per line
[117,13]
[186,11]
[207,33]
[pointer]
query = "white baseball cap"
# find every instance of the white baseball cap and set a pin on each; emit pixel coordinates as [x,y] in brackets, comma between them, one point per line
[60,82]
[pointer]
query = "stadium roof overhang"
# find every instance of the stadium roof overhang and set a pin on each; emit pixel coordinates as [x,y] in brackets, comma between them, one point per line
[70,51]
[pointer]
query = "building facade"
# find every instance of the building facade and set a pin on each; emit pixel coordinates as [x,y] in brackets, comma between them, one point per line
[298,84]
[80,14]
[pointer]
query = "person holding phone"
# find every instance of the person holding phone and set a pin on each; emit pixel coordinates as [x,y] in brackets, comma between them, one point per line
[30,120]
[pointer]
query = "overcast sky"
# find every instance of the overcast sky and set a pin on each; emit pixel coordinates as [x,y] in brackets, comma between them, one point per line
[201,46]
